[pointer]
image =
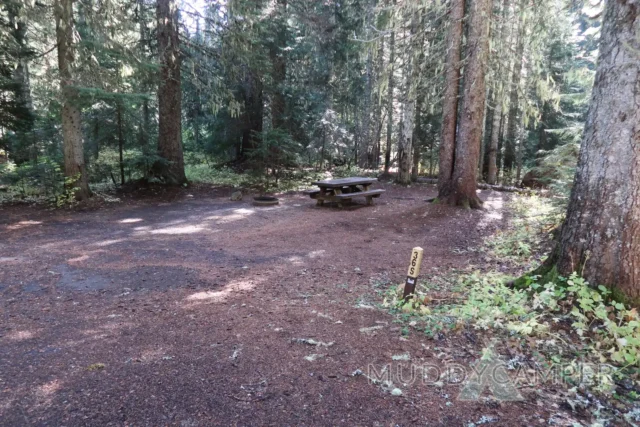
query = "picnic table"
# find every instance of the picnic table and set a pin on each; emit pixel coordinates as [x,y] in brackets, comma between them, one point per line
[343,190]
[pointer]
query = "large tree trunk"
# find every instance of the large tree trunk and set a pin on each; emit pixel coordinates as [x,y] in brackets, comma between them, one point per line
[450,103]
[601,235]
[74,166]
[169,94]
[392,51]
[465,176]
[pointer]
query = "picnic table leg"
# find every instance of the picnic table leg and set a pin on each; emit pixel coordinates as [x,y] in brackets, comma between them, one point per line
[337,192]
[369,200]
[321,196]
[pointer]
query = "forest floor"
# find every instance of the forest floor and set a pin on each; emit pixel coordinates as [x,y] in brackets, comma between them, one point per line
[189,309]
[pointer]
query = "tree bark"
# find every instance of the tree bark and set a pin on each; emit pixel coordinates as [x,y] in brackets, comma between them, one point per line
[169,94]
[417,144]
[465,176]
[492,177]
[601,235]
[483,136]
[74,166]
[450,102]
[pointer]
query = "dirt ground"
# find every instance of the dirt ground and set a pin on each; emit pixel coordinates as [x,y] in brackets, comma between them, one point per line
[193,310]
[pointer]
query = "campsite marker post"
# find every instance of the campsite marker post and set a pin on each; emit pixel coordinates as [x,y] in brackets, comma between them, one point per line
[414,271]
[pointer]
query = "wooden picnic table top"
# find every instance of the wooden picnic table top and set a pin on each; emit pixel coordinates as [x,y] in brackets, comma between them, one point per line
[344,182]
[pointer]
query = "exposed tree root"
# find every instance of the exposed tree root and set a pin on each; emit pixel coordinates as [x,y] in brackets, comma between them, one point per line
[467,202]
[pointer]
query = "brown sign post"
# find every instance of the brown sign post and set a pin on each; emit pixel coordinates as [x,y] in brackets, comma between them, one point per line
[414,271]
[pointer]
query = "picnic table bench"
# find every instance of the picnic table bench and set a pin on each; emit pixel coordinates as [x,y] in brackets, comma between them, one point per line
[343,190]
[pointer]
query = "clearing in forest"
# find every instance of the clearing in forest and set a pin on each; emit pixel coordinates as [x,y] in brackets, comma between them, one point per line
[203,311]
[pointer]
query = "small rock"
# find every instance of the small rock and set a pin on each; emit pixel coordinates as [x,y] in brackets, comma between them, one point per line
[396,392]
[236,196]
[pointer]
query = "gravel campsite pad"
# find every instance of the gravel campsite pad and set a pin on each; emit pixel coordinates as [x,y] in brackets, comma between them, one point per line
[194,310]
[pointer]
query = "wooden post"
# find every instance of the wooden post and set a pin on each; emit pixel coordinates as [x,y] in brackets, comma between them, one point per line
[414,271]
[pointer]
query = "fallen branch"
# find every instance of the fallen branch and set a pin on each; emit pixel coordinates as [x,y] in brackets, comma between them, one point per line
[482,186]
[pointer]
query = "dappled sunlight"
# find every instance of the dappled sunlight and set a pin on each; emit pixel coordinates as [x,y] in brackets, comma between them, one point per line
[317,254]
[130,220]
[23,224]
[493,211]
[94,334]
[10,259]
[153,355]
[223,294]
[46,392]
[78,259]
[182,229]
[20,335]
[300,260]
[235,215]
[108,242]
[296,260]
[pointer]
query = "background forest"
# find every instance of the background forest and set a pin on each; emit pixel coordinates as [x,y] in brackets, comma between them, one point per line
[279,86]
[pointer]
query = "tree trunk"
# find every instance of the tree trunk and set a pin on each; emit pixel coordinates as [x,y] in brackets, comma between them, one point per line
[601,235]
[379,119]
[74,165]
[492,177]
[120,141]
[465,176]
[415,170]
[392,52]
[366,139]
[146,119]
[514,98]
[278,58]
[18,25]
[450,103]
[253,113]
[411,75]
[169,94]
[417,144]
[483,136]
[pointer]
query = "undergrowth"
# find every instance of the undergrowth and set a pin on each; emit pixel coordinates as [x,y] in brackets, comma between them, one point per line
[567,323]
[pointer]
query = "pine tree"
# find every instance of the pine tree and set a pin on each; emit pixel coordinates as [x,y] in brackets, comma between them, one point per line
[599,238]
[170,95]
[467,151]
[74,163]
[450,103]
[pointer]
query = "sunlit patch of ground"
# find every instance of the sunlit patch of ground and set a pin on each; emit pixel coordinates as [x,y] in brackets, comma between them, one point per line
[23,224]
